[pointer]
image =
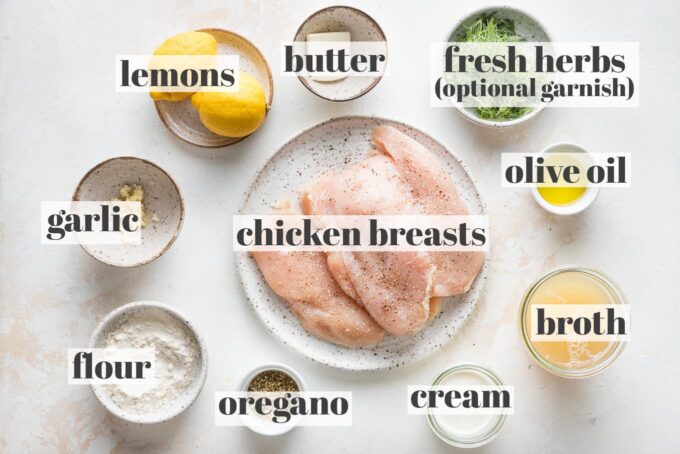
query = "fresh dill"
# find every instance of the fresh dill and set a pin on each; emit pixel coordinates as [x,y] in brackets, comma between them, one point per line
[490,29]
[501,113]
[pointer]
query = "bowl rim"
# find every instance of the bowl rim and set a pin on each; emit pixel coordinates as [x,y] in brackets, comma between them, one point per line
[269,99]
[381,32]
[462,110]
[587,199]
[76,198]
[199,380]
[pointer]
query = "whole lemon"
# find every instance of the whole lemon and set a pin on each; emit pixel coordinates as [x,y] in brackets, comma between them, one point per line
[233,114]
[191,43]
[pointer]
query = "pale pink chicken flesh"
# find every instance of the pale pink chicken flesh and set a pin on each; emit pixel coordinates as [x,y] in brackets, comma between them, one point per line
[400,291]
[324,310]
[435,192]
[395,287]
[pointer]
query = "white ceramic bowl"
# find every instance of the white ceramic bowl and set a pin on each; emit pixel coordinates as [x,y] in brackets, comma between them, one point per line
[526,26]
[161,197]
[260,425]
[579,205]
[183,401]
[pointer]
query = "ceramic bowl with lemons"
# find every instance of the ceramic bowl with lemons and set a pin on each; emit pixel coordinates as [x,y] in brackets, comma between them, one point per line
[563,198]
[217,118]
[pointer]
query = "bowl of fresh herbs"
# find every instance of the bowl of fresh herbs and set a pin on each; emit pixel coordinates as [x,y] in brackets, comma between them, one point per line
[498,25]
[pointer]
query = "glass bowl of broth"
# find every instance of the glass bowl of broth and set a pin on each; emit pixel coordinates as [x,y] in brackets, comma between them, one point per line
[572,285]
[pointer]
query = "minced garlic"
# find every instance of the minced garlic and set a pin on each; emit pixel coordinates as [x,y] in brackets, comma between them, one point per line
[134,193]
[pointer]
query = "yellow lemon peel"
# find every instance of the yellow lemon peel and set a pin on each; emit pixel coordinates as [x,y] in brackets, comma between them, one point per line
[233,114]
[191,43]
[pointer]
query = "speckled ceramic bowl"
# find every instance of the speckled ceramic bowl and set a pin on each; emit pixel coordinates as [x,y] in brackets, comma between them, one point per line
[182,118]
[526,26]
[361,27]
[183,401]
[161,198]
[331,146]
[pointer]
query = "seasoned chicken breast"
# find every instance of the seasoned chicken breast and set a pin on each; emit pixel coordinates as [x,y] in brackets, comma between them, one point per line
[324,310]
[394,287]
[436,193]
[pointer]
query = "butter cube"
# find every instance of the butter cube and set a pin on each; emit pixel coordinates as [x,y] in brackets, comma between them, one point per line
[320,43]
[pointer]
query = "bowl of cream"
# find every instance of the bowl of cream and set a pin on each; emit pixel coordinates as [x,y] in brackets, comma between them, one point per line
[181,361]
[466,430]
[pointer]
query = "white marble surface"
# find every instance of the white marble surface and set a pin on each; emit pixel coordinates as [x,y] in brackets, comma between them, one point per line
[59,115]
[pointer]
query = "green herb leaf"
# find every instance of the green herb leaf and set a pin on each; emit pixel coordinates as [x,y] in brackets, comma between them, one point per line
[489,29]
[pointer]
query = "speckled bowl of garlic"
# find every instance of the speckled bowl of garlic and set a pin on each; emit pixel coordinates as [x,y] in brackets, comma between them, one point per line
[180,365]
[132,179]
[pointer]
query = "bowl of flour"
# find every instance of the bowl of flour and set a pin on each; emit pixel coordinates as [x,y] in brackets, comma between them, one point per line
[181,361]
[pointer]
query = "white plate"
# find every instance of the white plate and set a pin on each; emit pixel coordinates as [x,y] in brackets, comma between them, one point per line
[334,145]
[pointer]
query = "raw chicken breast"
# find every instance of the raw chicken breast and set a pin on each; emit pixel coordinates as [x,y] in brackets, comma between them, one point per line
[305,282]
[434,191]
[394,287]
[336,265]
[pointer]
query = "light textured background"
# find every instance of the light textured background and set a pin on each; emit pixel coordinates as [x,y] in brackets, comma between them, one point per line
[59,115]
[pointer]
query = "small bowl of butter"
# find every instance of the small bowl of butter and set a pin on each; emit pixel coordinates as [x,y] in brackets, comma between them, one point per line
[341,26]
[561,197]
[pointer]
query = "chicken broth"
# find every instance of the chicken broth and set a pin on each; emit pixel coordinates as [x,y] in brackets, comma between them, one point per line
[573,287]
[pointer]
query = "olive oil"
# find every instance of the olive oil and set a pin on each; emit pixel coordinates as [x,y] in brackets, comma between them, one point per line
[562,192]
[561,196]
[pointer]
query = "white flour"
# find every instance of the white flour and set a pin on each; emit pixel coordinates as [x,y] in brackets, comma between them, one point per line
[177,359]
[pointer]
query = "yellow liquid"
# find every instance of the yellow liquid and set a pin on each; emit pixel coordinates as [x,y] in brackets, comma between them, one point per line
[562,193]
[572,287]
